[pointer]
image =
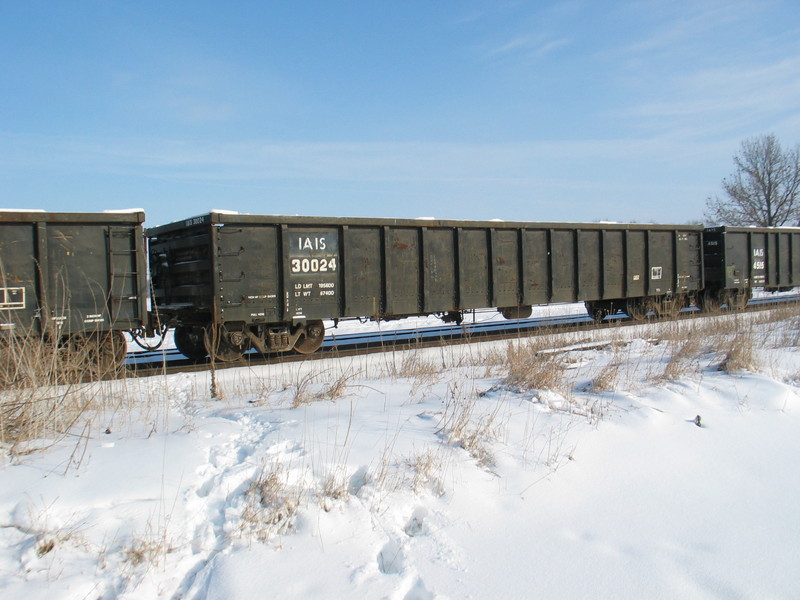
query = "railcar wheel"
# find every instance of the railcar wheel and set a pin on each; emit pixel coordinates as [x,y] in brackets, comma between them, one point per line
[223,345]
[311,338]
[598,310]
[190,341]
[698,300]
[727,300]
[637,309]
[114,346]
[516,312]
[712,301]
[737,299]
[93,355]
[670,307]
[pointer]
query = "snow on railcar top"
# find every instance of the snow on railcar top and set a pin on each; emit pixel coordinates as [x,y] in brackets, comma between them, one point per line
[112,211]
[752,228]
[32,215]
[220,216]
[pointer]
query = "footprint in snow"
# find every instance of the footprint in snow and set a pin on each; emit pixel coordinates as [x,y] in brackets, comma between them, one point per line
[419,592]
[416,524]
[391,559]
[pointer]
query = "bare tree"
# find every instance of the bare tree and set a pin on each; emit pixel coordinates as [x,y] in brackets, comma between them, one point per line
[765,188]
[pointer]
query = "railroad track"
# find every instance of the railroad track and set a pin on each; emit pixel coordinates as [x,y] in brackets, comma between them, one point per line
[170,361]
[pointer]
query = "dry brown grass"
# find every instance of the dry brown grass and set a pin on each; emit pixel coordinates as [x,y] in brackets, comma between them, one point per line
[307,387]
[740,354]
[337,388]
[462,426]
[146,551]
[415,365]
[684,357]
[32,361]
[271,505]
[531,367]
[427,471]
[40,413]
[44,384]
[335,487]
[787,334]
[606,379]
[730,342]
[301,387]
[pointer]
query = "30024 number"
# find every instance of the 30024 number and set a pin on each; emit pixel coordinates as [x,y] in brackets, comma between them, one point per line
[313,265]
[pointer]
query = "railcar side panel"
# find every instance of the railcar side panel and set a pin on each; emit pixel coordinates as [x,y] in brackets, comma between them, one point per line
[78,277]
[784,256]
[362,271]
[773,264]
[590,265]
[311,265]
[613,264]
[536,267]
[439,270]
[636,264]
[689,274]
[660,255]
[739,248]
[562,253]
[473,269]
[18,278]
[505,267]
[746,269]
[248,274]
[403,278]
[753,249]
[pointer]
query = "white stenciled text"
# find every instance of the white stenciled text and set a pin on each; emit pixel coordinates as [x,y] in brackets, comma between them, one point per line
[313,265]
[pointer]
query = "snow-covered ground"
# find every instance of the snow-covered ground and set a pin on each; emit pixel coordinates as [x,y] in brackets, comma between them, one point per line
[629,463]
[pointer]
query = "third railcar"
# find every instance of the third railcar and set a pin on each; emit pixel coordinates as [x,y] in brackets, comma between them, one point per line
[738,259]
[229,282]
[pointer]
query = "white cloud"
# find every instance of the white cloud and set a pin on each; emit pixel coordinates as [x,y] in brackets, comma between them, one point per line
[389,161]
[719,100]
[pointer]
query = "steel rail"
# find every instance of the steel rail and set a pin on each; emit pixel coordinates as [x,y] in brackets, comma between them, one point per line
[144,364]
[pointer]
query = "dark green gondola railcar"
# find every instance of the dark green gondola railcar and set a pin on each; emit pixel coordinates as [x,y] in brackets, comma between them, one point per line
[738,259]
[75,277]
[230,282]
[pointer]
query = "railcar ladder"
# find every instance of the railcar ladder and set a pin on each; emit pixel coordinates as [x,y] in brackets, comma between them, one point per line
[123,277]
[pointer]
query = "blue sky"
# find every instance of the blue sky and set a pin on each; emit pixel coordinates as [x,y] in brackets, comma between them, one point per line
[518,110]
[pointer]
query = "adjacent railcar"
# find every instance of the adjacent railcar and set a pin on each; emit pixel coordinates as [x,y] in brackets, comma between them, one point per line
[72,276]
[229,282]
[738,259]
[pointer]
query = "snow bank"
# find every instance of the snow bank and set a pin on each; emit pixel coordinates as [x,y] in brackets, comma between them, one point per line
[428,474]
